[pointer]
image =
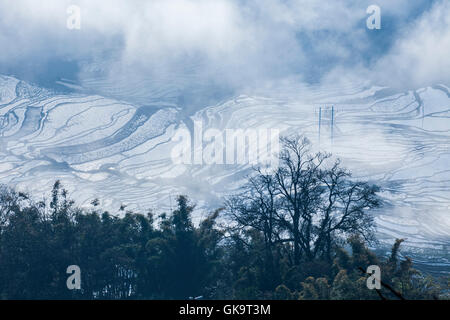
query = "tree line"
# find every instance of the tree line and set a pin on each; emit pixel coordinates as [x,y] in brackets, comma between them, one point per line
[300,231]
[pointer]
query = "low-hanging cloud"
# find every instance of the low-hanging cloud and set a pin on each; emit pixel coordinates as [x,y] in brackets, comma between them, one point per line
[421,56]
[231,43]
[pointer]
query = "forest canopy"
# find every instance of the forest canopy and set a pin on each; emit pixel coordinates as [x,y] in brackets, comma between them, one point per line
[299,232]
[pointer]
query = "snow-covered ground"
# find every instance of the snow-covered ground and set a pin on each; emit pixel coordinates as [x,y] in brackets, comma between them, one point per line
[121,152]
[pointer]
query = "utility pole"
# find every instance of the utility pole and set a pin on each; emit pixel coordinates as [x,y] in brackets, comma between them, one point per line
[320,121]
[332,123]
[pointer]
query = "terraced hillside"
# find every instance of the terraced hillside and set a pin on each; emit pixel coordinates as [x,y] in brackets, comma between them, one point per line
[120,152]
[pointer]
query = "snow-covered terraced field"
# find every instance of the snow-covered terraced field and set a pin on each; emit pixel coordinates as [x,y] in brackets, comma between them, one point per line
[120,152]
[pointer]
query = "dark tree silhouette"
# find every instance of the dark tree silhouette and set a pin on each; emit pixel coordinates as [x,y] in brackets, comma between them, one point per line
[306,202]
[282,238]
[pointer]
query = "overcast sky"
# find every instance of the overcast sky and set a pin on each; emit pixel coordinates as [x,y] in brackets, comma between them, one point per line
[233,43]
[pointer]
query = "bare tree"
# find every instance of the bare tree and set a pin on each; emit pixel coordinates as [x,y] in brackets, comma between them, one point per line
[306,202]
